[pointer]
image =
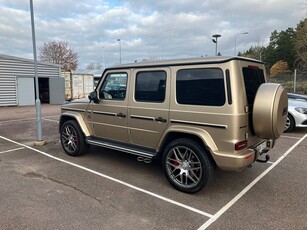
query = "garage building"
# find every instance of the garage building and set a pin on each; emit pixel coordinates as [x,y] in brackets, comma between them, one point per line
[17,82]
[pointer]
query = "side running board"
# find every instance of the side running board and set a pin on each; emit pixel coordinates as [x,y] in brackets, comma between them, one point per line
[141,152]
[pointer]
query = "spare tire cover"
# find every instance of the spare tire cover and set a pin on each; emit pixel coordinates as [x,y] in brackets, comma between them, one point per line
[270,111]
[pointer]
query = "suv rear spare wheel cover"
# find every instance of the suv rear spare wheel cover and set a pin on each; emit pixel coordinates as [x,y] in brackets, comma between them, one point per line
[270,111]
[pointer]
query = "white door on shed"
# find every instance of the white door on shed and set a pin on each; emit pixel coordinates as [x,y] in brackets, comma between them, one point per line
[25,89]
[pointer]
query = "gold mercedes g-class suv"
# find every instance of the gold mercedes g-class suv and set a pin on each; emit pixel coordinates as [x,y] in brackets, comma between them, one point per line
[191,114]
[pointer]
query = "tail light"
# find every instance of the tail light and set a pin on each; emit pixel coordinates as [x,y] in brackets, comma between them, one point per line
[241,145]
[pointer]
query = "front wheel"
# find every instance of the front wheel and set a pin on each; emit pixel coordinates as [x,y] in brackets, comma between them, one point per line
[187,166]
[72,139]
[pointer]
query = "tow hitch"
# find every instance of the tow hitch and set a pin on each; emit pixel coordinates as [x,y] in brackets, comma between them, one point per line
[267,158]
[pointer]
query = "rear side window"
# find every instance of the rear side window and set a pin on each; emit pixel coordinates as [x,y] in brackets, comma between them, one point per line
[150,86]
[253,78]
[200,87]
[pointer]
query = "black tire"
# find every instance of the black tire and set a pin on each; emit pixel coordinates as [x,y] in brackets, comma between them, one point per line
[178,158]
[290,124]
[72,139]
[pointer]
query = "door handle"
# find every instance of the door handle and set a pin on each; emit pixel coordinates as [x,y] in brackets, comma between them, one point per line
[160,120]
[121,115]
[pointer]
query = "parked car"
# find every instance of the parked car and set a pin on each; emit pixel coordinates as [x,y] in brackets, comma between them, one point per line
[192,114]
[297,111]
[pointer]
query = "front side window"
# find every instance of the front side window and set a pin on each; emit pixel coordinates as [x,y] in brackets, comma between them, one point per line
[114,87]
[150,86]
[200,87]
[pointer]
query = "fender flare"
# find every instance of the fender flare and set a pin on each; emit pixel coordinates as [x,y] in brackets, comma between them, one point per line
[200,133]
[75,116]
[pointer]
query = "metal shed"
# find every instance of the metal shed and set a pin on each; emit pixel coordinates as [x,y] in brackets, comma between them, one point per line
[17,83]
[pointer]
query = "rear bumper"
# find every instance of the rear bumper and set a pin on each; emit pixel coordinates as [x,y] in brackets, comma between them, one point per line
[239,161]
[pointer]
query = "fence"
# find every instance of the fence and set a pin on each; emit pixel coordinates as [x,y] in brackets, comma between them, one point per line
[290,83]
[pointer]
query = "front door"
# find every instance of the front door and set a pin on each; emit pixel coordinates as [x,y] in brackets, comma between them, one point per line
[108,118]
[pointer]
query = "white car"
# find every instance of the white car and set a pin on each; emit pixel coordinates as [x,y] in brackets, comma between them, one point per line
[297,111]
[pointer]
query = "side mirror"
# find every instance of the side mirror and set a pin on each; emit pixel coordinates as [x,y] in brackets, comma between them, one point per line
[93,97]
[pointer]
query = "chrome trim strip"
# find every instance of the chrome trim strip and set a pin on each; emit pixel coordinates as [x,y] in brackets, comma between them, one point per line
[142,117]
[199,123]
[131,151]
[104,113]
[72,109]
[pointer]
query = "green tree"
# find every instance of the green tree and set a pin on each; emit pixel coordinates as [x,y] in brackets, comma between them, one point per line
[281,47]
[301,46]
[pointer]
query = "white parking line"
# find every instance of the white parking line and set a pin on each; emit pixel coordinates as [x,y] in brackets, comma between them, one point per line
[26,119]
[12,150]
[247,188]
[296,138]
[53,116]
[45,119]
[115,180]
[30,119]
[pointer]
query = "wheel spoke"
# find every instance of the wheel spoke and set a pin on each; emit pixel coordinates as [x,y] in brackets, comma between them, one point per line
[195,176]
[181,178]
[180,154]
[171,164]
[191,178]
[175,153]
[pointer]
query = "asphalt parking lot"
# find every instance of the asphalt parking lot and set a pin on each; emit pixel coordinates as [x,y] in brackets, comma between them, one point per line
[43,188]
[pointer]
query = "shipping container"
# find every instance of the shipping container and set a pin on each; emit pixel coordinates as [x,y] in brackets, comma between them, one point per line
[82,85]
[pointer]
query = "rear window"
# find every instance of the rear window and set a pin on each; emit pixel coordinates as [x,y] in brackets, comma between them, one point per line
[200,87]
[150,86]
[253,78]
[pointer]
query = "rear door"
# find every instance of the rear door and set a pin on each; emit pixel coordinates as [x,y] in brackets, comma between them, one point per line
[149,106]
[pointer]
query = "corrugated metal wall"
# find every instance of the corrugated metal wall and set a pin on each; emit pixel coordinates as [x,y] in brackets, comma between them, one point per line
[8,91]
[14,67]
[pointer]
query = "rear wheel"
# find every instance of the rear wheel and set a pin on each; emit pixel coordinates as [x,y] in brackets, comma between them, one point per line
[187,166]
[72,139]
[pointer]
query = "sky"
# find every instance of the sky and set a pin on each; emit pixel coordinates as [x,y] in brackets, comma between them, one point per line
[155,29]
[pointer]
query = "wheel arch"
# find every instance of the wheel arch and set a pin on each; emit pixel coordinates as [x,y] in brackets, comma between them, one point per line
[76,117]
[293,125]
[200,136]
[290,113]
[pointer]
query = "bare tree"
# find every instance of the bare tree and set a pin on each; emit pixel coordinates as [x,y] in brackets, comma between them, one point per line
[259,48]
[59,52]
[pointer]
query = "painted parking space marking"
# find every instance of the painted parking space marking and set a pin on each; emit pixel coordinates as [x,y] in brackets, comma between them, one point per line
[46,119]
[30,119]
[17,120]
[217,215]
[53,116]
[295,138]
[115,180]
[12,150]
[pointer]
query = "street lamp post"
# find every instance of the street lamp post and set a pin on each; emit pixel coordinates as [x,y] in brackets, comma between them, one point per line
[215,41]
[236,41]
[39,140]
[120,50]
